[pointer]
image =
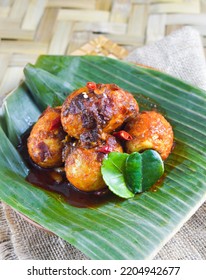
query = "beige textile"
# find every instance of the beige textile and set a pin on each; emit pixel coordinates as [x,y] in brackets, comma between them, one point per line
[180,54]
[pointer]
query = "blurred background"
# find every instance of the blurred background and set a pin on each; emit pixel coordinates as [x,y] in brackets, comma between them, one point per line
[113,28]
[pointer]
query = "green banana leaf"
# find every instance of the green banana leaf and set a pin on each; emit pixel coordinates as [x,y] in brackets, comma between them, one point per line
[133,228]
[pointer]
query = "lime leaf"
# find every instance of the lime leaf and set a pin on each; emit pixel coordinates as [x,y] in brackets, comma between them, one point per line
[133,172]
[142,170]
[152,168]
[113,174]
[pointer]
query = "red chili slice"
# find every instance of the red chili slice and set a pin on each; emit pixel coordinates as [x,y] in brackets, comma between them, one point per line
[55,123]
[123,135]
[91,85]
[105,149]
[114,87]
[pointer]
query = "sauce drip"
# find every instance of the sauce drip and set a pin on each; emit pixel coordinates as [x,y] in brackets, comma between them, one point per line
[54,179]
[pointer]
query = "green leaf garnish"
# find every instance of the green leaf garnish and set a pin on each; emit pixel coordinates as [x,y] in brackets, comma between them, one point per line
[126,175]
[142,170]
[113,174]
[133,172]
[152,168]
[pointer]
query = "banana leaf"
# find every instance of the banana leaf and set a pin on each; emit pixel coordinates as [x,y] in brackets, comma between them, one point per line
[133,228]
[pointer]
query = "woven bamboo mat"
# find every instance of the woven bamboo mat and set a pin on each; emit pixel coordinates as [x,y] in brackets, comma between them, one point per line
[29,28]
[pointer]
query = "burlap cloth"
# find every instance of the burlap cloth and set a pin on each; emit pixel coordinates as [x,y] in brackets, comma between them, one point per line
[179,54]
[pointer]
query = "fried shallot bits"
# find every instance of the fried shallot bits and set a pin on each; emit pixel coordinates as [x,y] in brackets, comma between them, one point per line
[97,108]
